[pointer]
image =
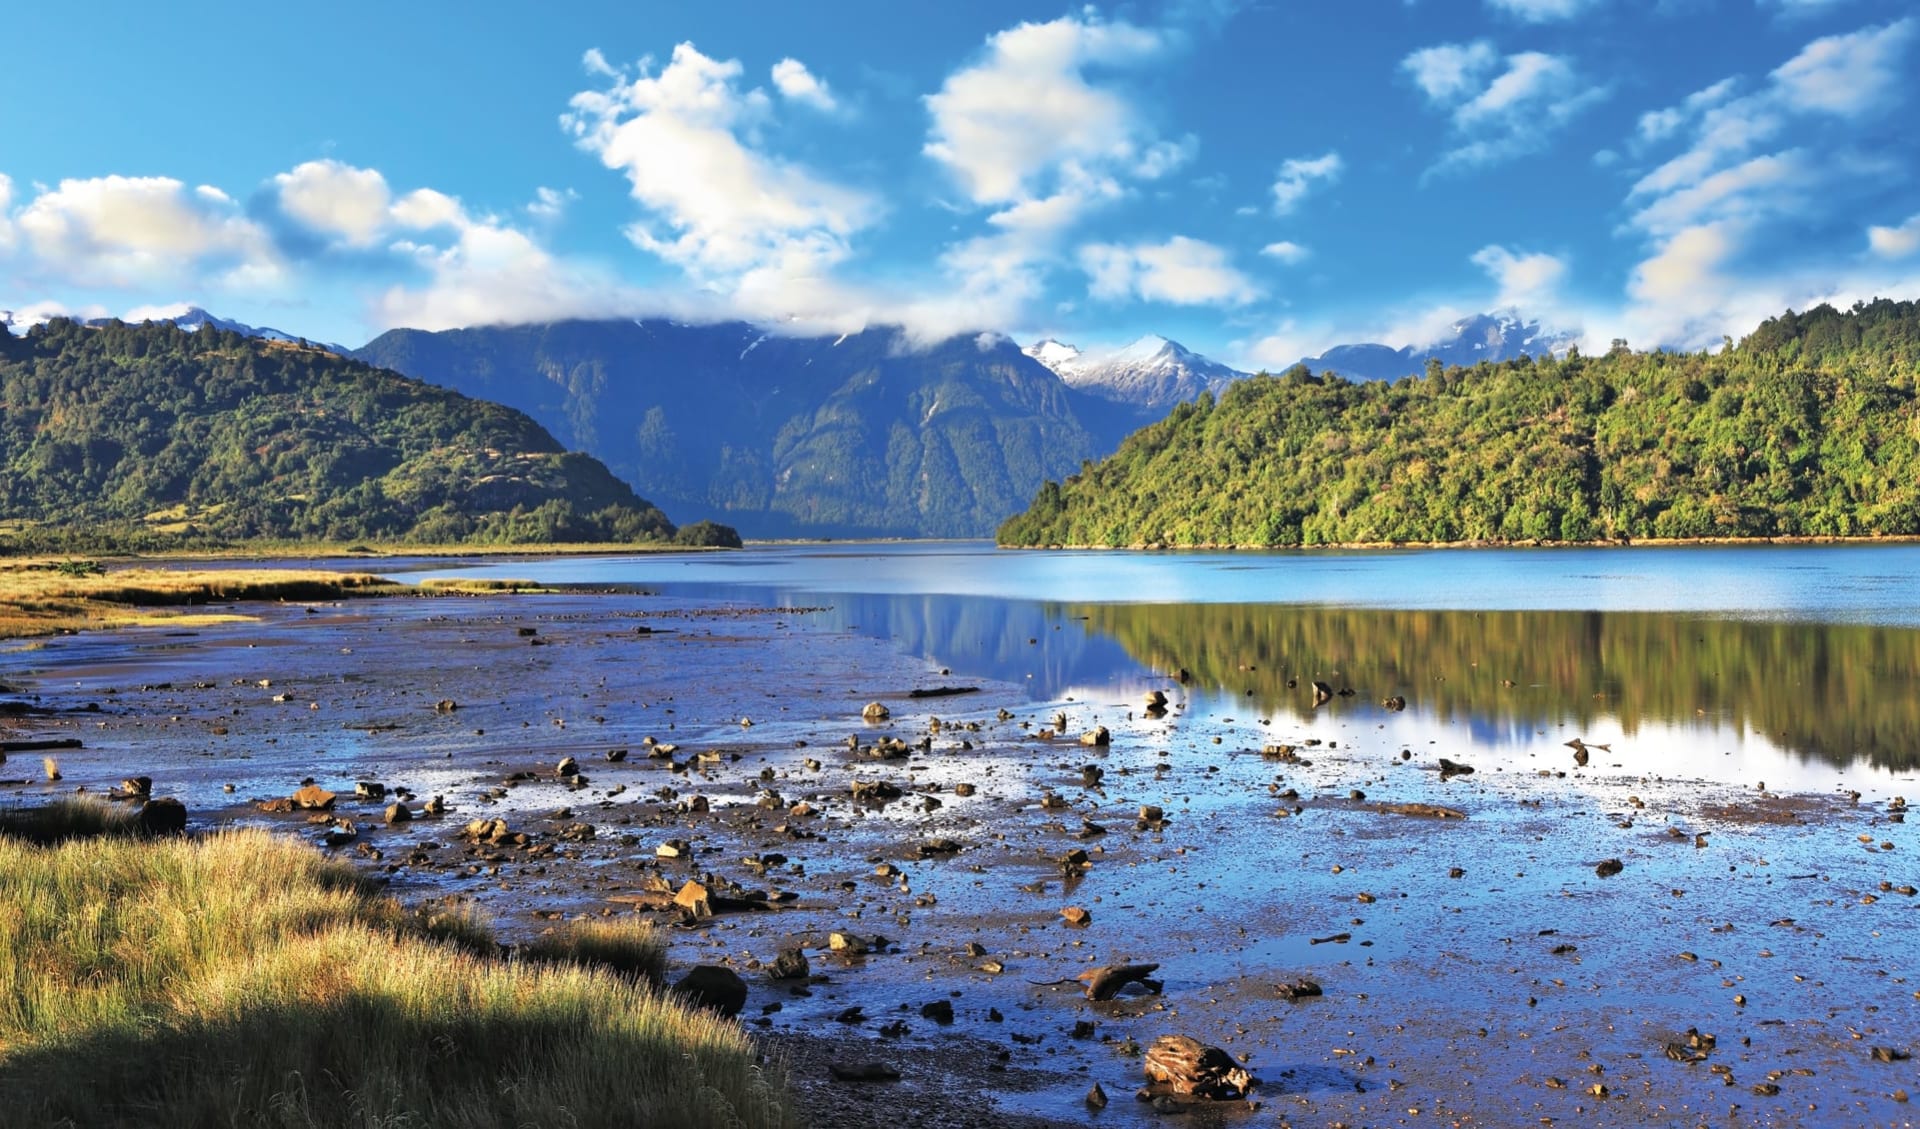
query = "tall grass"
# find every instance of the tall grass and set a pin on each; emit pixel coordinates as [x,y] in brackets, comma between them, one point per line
[246,980]
[43,597]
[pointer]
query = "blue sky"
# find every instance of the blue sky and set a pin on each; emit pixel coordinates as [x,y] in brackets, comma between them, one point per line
[1258,180]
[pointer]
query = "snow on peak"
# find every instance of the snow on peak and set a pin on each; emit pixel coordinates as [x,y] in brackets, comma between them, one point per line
[1052,354]
[1151,371]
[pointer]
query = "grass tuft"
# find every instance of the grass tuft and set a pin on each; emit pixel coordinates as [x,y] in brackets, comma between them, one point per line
[244,979]
[628,947]
[66,819]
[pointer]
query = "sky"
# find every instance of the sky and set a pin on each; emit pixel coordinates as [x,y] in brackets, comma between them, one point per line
[1259,180]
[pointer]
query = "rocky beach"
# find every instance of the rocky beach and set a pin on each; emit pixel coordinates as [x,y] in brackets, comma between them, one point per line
[949,901]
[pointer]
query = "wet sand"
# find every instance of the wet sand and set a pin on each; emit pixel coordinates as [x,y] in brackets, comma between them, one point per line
[1475,971]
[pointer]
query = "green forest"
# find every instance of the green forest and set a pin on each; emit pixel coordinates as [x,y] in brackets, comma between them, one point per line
[122,437]
[1805,429]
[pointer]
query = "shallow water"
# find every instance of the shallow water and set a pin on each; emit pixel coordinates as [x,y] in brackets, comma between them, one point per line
[1799,664]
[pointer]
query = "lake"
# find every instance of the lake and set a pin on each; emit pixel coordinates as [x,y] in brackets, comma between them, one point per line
[1796,664]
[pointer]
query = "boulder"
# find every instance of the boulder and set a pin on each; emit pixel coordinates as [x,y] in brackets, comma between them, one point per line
[791,964]
[876,711]
[1188,1066]
[164,816]
[314,798]
[713,986]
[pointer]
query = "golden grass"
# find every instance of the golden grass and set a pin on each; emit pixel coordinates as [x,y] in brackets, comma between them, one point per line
[455,585]
[628,946]
[43,597]
[244,979]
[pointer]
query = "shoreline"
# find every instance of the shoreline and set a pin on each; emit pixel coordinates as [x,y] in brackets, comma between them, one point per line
[1614,543]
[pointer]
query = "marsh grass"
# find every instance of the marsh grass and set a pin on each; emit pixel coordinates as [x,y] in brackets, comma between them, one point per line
[629,947]
[48,596]
[244,979]
[480,585]
[68,818]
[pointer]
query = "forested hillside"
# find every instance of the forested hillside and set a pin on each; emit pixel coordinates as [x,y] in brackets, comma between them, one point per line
[1807,428]
[149,436]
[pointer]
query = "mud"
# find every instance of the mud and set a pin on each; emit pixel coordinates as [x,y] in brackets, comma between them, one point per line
[1475,971]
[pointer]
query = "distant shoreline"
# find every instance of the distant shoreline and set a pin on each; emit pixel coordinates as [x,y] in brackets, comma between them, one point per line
[1609,543]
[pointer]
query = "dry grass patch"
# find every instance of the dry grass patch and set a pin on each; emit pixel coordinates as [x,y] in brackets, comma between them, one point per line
[44,597]
[245,979]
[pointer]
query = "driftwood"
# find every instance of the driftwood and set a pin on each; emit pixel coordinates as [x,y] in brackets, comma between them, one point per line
[40,745]
[1431,811]
[1188,1066]
[1105,983]
[942,691]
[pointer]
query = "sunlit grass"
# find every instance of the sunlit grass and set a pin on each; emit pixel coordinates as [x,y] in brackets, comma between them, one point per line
[46,596]
[480,585]
[245,979]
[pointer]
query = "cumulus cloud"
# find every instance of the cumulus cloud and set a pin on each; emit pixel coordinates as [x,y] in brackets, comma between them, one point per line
[1895,242]
[716,205]
[1526,281]
[118,231]
[490,275]
[1500,108]
[1846,75]
[1287,251]
[1029,110]
[798,84]
[1542,11]
[1181,271]
[1298,176]
[337,200]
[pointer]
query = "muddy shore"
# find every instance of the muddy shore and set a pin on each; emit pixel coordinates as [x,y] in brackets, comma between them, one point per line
[1477,970]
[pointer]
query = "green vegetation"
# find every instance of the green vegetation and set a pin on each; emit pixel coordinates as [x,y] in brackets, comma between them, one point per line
[1808,429]
[1836,692]
[246,980]
[147,437]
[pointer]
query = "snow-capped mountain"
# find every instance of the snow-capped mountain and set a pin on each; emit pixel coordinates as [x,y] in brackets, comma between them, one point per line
[1497,336]
[1152,372]
[193,318]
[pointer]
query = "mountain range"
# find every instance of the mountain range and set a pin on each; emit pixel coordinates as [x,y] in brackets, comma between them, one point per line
[851,436]
[847,436]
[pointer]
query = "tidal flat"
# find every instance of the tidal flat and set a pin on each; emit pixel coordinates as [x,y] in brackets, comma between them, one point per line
[1656,899]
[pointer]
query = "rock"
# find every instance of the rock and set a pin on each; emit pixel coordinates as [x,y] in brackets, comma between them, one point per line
[963,789]
[1156,701]
[1096,1097]
[673,849]
[1609,867]
[370,790]
[1077,916]
[164,816]
[791,964]
[446,705]
[715,987]
[133,788]
[1188,1066]
[1394,704]
[1450,769]
[437,806]
[876,711]
[850,944]
[51,767]
[341,833]
[940,1011]
[875,790]
[568,766]
[1105,983]
[1097,736]
[936,847]
[314,798]
[1322,693]
[1299,989]
[695,899]
[1890,1054]
[616,755]
[398,813]
[862,1072]
[1152,813]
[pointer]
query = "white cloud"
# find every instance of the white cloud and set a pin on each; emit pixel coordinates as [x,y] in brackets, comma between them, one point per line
[492,275]
[1542,11]
[718,207]
[1181,271]
[349,204]
[1895,242]
[1450,72]
[1007,125]
[1501,108]
[1287,251]
[1298,176]
[795,82]
[551,203]
[1847,75]
[1527,281]
[119,231]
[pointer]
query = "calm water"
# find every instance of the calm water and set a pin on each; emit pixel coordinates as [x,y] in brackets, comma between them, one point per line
[1802,663]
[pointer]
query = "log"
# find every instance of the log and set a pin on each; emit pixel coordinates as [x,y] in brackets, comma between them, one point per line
[1188,1066]
[942,691]
[1431,811]
[39,745]
[1105,983]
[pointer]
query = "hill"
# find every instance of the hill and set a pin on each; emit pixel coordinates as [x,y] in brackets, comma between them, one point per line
[1808,428]
[1499,336]
[148,436]
[784,436]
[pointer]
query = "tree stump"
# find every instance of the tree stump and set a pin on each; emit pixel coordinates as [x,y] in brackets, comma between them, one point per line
[1188,1066]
